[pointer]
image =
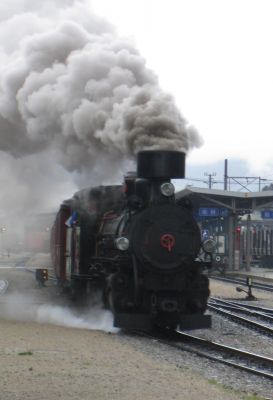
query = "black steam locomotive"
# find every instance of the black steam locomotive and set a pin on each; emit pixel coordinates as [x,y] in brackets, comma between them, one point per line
[138,245]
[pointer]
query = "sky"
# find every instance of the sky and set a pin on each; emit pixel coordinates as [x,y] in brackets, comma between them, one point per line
[79,92]
[216,58]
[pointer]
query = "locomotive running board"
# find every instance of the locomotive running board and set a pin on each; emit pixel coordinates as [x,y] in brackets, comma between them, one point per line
[198,321]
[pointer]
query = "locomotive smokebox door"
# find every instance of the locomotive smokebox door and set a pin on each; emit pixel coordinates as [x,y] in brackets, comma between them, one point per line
[161,164]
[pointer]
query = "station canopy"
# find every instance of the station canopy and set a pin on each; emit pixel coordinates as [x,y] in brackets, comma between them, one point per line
[236,202]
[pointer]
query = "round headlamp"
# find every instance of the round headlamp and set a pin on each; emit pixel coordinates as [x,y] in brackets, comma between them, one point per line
[122,243]
[209,245]
[167,189]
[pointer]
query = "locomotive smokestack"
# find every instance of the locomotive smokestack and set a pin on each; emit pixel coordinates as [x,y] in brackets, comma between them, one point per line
[161,164]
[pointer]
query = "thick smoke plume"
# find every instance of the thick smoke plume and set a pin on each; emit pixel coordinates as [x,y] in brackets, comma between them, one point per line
[76,100]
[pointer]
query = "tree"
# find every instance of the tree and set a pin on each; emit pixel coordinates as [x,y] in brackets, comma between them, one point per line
[268,187]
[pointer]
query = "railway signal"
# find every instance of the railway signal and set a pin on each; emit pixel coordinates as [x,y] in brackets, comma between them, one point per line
[250,296]
[41,275]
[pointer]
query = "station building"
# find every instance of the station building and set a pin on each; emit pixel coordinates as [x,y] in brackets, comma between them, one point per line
[240,222]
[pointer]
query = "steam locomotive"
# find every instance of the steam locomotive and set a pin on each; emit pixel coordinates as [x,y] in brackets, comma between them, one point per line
[138,245]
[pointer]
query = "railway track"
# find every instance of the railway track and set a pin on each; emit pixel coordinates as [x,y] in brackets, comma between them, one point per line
[217,352]
[244,308]
[265,310]
[244,360]
[224,309]
[238,281]
[260,313]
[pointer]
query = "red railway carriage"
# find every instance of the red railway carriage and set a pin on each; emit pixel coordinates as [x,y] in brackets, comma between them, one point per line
[58,243]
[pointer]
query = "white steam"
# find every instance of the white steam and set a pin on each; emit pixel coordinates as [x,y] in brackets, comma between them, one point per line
[23,307]
[76,100]
[96,319]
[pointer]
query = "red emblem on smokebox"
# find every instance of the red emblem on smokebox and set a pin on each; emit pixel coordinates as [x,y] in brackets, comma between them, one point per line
[167,241]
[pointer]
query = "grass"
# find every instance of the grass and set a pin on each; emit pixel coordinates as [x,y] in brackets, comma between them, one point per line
[25,353]
[228,389]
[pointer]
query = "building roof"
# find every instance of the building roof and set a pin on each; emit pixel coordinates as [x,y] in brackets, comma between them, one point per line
[229,199]
[223,193]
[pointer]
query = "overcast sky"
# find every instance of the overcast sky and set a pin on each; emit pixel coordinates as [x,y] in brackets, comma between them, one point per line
[73,94]
[216,58]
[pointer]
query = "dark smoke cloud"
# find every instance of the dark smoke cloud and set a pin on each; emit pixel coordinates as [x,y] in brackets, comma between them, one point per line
[75,94]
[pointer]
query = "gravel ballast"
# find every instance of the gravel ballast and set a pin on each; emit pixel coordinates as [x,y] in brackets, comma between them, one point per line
[42,360]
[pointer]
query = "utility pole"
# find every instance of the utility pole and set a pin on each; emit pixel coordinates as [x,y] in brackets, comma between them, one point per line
[239,180]
[226,175]
[210,178]
[260,181]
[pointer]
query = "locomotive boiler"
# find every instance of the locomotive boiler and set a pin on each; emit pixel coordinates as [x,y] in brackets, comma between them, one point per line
[138,246]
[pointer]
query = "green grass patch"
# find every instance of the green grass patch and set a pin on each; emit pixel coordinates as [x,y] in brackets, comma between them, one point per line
[25,353]
[229,389]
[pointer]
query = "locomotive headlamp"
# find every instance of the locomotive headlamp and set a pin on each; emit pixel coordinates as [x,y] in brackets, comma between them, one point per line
[209,245]
[167,189]
[122,243]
